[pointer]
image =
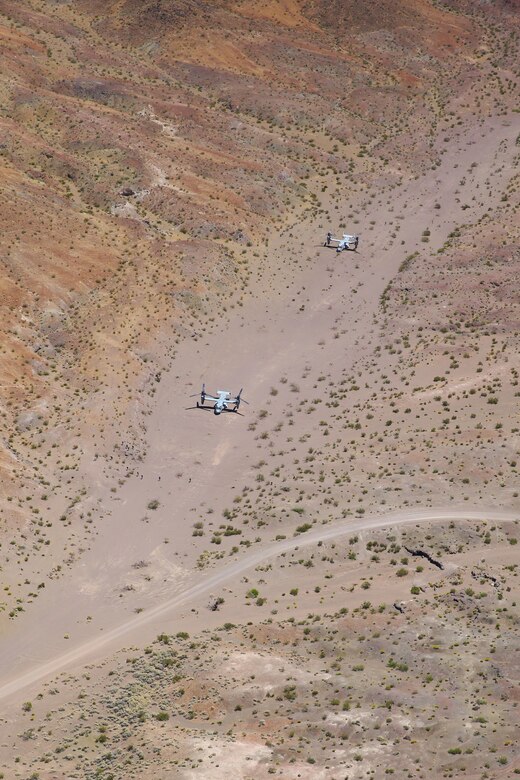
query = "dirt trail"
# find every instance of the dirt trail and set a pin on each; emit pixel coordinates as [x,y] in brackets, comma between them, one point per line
[89,650]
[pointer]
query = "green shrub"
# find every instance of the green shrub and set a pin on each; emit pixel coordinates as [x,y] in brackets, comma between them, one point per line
[162,715]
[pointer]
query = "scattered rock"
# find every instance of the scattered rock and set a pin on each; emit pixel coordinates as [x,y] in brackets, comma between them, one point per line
[481,575]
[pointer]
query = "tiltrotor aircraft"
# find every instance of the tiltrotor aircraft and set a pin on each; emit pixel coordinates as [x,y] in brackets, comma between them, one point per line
[221,400]
[345,242]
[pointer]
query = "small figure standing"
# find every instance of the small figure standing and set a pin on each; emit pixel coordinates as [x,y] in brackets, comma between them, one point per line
[356,242]
[327,240]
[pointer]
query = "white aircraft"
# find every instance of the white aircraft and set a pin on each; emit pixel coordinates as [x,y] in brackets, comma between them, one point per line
[345,242]
[222,400]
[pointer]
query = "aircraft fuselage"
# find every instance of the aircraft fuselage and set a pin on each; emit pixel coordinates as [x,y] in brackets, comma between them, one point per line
[221,403]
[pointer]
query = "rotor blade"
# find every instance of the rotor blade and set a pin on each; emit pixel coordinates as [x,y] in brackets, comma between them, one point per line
[239,397]
[202,392]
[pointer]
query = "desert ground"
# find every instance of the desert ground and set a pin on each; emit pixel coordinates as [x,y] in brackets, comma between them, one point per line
[324,585]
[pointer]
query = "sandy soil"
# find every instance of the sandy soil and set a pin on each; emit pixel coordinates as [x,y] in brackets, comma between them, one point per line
[196,463]
[381,388]
[174,611]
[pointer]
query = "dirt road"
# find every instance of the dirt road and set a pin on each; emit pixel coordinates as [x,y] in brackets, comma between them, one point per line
[212,582]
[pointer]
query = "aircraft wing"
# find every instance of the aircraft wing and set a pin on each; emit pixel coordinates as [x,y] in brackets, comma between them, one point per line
[209,397]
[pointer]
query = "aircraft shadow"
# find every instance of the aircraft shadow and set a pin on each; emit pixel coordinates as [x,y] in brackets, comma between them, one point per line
[210,409]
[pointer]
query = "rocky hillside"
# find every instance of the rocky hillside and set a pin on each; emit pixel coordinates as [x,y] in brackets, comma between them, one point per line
[146,146]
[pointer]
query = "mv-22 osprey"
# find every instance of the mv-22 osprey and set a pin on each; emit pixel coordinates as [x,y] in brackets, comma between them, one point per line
[346,242]
[221,400]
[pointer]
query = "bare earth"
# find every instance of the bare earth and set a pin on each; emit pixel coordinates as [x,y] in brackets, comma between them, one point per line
[356,524]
